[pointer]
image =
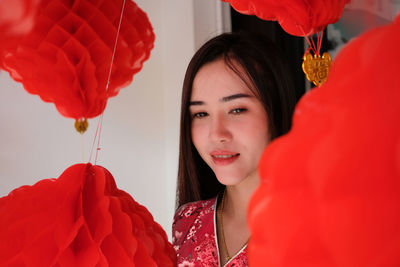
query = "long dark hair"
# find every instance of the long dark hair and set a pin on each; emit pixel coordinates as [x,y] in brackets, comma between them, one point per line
[270,78]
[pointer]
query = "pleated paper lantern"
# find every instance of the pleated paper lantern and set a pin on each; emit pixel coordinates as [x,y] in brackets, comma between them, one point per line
[66,58]
[79,219]
[330,188]
[297,17]
[17,18]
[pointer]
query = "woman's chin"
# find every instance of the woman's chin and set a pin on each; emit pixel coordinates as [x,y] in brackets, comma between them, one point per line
[235,178]
[230,179]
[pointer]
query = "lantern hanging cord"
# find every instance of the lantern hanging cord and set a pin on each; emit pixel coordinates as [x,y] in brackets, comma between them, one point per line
[310,40]
[100,122]
[320,36]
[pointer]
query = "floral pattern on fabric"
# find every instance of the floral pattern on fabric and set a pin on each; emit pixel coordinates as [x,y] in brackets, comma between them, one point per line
[194,238]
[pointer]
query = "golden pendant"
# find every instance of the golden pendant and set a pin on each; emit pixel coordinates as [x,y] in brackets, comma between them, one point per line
[317,68]
[81,125]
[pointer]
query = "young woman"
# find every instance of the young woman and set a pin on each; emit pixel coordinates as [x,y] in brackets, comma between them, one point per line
[237,97]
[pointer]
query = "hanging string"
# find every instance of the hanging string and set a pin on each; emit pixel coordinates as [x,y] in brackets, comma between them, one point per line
[100,122]
[315,48]
[83,148]
[98,138]
[320,35]
[94,139]
[310,44]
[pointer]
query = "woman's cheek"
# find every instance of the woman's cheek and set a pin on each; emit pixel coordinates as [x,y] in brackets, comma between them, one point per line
[198,135]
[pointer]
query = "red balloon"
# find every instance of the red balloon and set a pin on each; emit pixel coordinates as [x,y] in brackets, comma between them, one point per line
[17,18]
[66,58]
[297,17]
[330,188]
[79,219]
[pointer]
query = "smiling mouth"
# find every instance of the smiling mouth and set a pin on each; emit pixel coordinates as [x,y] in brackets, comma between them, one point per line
[225,156]
[224,159]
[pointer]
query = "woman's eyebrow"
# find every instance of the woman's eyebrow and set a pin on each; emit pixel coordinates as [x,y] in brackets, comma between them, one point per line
[224,99]
[196,103]
[232,97]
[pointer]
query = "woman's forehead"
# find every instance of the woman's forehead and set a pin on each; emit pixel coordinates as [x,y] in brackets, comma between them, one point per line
[217,80]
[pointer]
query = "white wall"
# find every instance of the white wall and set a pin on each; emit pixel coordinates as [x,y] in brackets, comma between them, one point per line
[139,142]
[211,17]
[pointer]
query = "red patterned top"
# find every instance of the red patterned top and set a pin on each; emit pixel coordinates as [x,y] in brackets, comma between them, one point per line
[194,236]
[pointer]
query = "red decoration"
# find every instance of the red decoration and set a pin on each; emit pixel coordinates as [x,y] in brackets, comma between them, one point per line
[297,17]
[330,188]
[16,19]
[79,219]
[66,58]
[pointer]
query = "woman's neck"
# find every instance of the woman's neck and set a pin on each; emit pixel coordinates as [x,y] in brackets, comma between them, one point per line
[238,197]
[233,231]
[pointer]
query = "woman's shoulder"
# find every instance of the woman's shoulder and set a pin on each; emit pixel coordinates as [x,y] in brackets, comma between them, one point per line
[189,215]
[193,208]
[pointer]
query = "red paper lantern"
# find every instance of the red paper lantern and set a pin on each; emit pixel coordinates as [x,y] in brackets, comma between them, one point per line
[297,17]
[330,188]
[79,219]
[66,58]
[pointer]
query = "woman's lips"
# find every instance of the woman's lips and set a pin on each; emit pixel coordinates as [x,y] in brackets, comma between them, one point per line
[222,158]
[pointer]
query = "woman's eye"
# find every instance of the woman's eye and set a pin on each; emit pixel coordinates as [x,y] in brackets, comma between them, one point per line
[238,110]
[200,115]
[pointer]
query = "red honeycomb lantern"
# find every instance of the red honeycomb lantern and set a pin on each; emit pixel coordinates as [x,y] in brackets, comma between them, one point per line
[330,188]
[66,58]
[297,17]
[79,219]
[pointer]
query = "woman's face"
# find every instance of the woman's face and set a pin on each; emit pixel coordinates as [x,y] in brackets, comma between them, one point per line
[229,123]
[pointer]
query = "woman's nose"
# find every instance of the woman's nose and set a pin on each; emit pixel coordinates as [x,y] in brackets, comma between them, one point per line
[219,130]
